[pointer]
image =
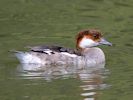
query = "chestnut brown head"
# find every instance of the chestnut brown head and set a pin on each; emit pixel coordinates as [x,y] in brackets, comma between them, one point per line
[90,38]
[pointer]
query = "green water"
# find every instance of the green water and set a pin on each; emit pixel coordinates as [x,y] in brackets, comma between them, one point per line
[31,22]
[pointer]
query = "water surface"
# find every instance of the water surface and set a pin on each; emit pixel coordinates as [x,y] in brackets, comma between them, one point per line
[32,22]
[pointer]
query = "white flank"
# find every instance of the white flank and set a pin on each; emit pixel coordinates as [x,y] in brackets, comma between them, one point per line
[28,58]
[68,54]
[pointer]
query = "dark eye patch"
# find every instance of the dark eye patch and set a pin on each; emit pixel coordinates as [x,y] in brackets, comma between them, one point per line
[96,36]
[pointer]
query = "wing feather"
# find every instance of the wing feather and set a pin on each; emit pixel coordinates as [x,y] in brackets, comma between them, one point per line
[52,49]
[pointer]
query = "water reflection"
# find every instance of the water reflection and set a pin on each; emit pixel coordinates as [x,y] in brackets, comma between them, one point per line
[91,77]
[92,82]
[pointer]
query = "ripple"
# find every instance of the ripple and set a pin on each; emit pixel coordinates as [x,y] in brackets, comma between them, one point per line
[88,94]
[122,4]
[92,78]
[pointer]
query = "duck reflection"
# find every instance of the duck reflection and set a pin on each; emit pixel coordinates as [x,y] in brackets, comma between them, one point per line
[92,82]
[91,77]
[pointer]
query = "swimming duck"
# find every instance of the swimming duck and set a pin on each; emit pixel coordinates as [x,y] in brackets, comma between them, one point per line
[85,53]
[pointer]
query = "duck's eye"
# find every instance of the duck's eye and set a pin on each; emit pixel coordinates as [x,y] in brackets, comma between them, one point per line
[96,36]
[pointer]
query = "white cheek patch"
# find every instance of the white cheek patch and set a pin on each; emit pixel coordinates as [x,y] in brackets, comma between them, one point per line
[85,42]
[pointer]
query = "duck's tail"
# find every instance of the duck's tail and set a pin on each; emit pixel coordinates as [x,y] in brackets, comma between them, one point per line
[26,57]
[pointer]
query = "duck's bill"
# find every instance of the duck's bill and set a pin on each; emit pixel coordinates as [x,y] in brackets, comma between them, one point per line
[105,42]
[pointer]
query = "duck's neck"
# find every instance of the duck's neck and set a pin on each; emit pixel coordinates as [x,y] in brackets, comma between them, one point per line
[94,53]
[82,51]
[85,51]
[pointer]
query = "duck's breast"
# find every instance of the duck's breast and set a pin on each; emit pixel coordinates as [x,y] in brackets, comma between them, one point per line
[94,54]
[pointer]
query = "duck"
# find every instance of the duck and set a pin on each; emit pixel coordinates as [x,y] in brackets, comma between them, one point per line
[86,52]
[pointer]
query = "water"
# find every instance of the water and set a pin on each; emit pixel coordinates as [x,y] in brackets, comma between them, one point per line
[32,22]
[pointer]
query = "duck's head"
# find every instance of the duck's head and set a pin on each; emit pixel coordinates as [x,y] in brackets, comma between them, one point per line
[90,38]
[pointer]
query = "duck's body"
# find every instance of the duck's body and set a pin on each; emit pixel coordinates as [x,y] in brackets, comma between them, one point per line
[85,53]
[91,56]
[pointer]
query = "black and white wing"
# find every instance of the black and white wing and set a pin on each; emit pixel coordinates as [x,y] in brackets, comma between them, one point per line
[52,49]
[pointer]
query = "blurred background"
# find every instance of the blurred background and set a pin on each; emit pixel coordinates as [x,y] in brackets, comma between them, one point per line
[33,22]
